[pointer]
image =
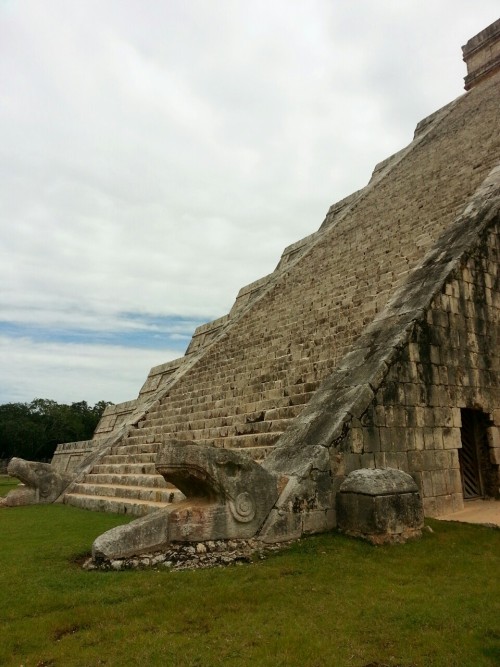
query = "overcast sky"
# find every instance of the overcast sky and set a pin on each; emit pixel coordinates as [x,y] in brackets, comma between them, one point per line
[156,156]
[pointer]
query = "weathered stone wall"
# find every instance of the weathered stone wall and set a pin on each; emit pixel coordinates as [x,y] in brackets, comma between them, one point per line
[69,455]
[452,361]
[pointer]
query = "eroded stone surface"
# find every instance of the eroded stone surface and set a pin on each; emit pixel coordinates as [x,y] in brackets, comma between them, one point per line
[378,482]
[381,506]
[42,483]
[227,496]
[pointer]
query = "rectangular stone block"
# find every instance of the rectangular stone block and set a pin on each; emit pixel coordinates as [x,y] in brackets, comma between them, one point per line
[416,461]
[457,501]
[367,460]
[444,505]
[371,439]
[402,460]
[428,436]
[318,521]
[454,484]
[419,439]
[379,417]
[427,488]
[351,462]
[386,439]
[439,482]
[430,460]
[451,438]
[430,507]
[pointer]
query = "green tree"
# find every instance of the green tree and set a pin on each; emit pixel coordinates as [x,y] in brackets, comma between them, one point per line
[33,430]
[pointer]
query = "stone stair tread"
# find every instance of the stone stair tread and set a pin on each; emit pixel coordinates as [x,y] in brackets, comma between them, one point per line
[131,449]
[139,493]
[132,468]
[114,504]
[131,479]
[117,459]
[118,498]
[125,486]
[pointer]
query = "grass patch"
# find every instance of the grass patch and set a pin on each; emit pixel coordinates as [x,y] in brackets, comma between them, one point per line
[327,601]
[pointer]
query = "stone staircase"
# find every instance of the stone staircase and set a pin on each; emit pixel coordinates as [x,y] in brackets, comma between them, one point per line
[248,376]
[125,482]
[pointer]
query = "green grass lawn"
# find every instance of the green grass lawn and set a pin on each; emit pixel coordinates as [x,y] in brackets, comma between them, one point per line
[328,600]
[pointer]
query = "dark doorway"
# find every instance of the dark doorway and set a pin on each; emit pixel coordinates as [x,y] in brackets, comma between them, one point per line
[475,467]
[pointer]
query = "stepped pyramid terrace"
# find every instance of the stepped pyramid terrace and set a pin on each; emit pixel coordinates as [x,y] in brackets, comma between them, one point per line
[373,346]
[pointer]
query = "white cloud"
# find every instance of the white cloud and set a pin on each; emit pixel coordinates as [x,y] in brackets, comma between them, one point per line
[73,372]
[155,157]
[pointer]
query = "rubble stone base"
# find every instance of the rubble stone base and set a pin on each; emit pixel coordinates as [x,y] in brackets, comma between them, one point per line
[192,556]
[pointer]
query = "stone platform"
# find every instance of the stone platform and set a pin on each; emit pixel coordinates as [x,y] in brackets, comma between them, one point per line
[485,512]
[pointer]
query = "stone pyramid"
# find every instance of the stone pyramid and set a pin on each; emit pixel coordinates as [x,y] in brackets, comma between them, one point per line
[373,344]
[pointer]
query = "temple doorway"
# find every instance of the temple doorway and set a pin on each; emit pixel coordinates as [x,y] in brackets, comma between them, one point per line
[478,474]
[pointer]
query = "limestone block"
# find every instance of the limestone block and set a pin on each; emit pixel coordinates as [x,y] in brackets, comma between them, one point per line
[430,506]
[381,506]
[149,533]
[445,504]
[451,438]
[439,482]
[318,521]
[427,487]
[371,439]
[454,484]
[281,526]
[419,439]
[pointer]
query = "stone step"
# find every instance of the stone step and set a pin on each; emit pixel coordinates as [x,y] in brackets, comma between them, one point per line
[183,432]
[252,442]
[155,494]
[124,469]
[191,413]
[151,481]
[230,404]
[133,445]
[260,440]
[263,420]
[114,505]
[227,442]
[127,458]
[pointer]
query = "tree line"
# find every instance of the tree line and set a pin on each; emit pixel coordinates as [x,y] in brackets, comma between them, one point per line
[33,430]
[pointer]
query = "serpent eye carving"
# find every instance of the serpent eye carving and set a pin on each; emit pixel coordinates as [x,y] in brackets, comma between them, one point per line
[243,507]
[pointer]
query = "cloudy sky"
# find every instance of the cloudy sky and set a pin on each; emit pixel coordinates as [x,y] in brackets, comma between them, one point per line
[157,155]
